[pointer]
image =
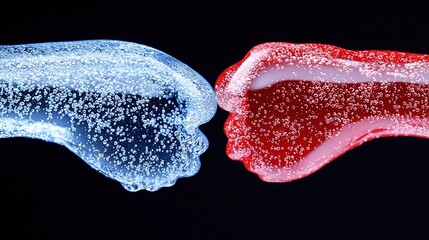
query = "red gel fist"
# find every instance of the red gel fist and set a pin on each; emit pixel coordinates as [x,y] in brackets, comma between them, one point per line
[296,107]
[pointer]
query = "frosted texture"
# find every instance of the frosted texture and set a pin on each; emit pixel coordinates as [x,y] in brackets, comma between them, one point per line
[296,107]
[128,110]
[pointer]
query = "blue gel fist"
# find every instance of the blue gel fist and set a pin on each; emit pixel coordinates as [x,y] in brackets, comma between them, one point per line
[128,110]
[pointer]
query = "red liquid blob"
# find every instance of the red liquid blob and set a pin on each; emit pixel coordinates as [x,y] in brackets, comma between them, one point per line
[296,107]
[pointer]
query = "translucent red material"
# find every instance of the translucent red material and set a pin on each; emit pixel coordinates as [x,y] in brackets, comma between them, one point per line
[296,107]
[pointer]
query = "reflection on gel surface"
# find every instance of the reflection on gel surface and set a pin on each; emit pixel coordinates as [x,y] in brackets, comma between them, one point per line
[130,111]
[296,107]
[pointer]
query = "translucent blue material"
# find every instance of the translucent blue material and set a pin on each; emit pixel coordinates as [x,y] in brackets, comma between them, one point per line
[128,110]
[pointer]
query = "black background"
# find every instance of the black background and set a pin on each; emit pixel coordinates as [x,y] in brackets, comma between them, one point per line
[378,190]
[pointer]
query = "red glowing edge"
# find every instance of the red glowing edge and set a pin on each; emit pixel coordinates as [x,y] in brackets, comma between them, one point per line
[296,107]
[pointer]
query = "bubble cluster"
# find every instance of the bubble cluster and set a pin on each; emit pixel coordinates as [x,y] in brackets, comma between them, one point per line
[128,110]
[296,107]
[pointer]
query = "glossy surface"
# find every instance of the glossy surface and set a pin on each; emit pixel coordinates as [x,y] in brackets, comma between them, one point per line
[128,110]
[296,107]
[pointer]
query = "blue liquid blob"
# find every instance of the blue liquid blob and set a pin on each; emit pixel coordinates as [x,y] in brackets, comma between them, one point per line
[128,110]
